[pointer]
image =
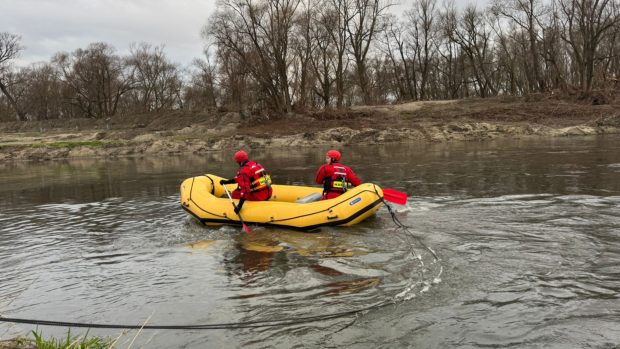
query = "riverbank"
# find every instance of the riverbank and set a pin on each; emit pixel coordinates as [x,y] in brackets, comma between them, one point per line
[183,132]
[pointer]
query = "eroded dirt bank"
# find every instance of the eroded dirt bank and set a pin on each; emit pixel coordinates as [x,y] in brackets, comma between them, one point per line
[180,132]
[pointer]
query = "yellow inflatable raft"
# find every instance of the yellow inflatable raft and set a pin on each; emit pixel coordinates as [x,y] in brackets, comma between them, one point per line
[290,206]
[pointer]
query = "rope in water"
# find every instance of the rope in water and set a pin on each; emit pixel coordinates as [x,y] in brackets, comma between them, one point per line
[248,324]
[405,228]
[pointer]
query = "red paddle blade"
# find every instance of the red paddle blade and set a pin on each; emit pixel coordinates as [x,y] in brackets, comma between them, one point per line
[247,229]
[395,196]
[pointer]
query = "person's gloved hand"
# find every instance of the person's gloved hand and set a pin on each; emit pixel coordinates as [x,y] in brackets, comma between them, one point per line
[238,207]
[227,181]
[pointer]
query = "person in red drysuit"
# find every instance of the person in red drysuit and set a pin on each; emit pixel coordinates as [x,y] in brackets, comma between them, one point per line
[335,177]
[253,181]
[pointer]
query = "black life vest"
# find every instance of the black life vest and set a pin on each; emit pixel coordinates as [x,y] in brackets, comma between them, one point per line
[338,181]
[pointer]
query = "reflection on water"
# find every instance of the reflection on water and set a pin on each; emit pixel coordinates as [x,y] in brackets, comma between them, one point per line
[527,233]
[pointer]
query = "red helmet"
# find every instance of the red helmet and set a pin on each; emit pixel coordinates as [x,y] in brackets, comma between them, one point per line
[241,156]
[334,154]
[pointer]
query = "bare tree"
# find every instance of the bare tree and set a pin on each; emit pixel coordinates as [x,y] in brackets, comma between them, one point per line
[97,78]
[325,58]
[473,36]
[526,14]
[450,72]
[283,55]
[302,50]
[554,51]
[507,58]
[423,32]
[610,46]
[9,50]
[157,81]
[339,32]
[364,22]
[258,34]
[585,24]
[42,92]
[203,90]
[401,57]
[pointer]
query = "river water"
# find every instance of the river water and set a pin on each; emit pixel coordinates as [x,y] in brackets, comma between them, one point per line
[510,244]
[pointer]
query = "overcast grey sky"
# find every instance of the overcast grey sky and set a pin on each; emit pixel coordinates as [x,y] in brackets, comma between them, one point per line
[50,26]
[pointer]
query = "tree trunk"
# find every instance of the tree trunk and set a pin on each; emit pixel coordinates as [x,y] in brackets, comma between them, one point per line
[21,116]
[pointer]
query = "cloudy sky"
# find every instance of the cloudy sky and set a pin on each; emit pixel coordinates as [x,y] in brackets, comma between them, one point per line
[50,26]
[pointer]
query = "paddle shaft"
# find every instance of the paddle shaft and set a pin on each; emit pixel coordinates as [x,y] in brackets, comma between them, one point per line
[243,225]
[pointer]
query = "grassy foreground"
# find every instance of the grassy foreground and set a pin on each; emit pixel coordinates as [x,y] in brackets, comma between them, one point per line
[69,342]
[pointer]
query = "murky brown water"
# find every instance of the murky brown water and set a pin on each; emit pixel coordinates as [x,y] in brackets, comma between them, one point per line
[527,234]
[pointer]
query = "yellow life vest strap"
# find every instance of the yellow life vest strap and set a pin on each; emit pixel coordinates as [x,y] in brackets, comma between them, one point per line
[261,183]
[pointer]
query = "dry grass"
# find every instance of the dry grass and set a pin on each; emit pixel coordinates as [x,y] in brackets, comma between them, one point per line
[546,109]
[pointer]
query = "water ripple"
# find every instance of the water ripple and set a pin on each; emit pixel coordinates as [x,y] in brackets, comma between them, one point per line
[527,251]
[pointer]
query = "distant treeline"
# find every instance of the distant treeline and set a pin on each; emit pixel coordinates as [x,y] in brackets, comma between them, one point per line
[278,56]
